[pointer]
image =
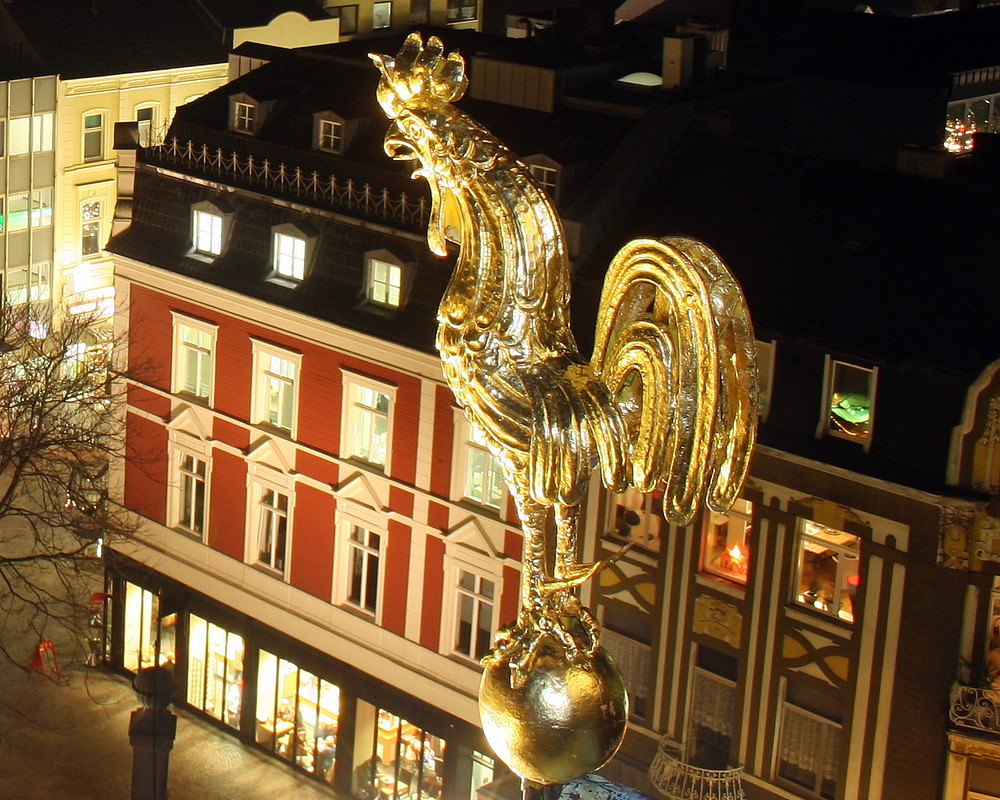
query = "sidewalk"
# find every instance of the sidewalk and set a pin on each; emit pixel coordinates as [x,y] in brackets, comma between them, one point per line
[70,742]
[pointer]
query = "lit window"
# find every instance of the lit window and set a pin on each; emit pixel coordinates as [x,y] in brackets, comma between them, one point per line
[194,350]
[474,623]
[141,621]
[638,517]
[367,419]
[381,15]
[191,479]
[41,207]
[460,10]
[272,527]
[31,134]
[364,555]
[244,117]
[289,257]
[632,659]
[404,763]
[547,178]
[851,401]
[712,709]
[965,118]
[828,575]
[93,137]
[330,136]
[286,693]
[483,479]
[90,228]
[215,670]
[348,16]
[384,283]
[275,394]
[725,549]
[146,119]
[809,746]
[17,212]
[207,232]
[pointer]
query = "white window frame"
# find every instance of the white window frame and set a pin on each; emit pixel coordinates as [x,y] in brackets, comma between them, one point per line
[378,8]
[218,237]
[351,515]
[478,599]
[179,350]
[378,290]
[351,408]
[97,131]
[291,267]
[805,533]
[460,557]
[97,221]
[262,480]
[646,508]
[264,377]
[464,446]
[36,131]
[184,446]
[825,427]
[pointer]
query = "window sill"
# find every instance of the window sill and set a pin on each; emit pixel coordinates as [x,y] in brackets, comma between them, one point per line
[282,280]
[830,623]
[268,570]
[643,549]
[732,588]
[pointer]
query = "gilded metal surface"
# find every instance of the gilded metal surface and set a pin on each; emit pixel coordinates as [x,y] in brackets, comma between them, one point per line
[668,399]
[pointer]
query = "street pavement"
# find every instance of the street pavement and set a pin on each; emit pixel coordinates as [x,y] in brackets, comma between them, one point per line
[69,741]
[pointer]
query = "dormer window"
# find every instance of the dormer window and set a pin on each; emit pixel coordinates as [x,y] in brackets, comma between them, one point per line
[384,279]
[331,135]
[545,171]
[210,222]
[850,401]
[245,114]
[291,252]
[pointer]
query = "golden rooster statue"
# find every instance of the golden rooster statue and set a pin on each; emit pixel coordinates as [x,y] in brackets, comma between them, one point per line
[667,400]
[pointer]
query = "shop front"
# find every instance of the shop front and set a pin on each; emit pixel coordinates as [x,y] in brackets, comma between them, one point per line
[323,717]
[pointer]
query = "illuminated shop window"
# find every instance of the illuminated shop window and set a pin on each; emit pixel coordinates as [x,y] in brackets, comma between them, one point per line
[850,401]
[965,118]
[809,744]
[474,612]
[365,552]
[215,670]
[141,623]
[712,709]
[638,517]
[482,477]
[406,762]
[725,549]
[828,577]
[297,715]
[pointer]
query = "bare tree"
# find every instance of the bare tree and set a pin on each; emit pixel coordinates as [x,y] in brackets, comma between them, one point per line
[60,428]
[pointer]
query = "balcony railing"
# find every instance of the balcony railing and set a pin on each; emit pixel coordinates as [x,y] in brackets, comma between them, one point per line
[975,708]
[328,191]
[676,780]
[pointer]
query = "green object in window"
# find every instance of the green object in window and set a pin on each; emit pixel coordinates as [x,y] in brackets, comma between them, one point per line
[850,407]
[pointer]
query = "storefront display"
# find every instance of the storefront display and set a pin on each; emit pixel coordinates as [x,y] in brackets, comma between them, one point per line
[146,641]
[406,761]
[297,715]
[215,670]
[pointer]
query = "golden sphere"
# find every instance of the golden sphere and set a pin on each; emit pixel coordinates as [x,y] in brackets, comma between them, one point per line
[565,721]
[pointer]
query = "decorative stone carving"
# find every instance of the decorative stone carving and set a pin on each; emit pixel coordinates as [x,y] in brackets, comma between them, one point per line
[718,619]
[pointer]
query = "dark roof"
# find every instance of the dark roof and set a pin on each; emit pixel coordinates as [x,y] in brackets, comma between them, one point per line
[229,14]
[333,289]
[85,38]
[870,261]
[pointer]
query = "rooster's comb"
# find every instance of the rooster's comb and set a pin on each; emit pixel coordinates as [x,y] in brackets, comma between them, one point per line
[419,72]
